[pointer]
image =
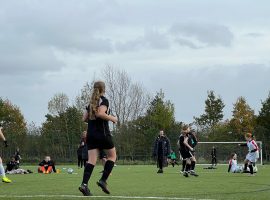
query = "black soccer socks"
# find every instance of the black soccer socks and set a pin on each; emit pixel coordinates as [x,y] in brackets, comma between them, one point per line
[87,173]
[251,169]
[107,170]
[192,165]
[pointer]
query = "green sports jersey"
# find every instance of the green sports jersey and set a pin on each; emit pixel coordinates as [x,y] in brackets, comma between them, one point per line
[173,156]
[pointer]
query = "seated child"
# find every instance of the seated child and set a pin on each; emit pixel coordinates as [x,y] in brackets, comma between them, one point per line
[172,158]
[46,166]
[11,165]
[233,167]
[13,168]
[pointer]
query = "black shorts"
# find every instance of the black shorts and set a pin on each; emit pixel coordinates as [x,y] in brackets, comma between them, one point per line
[104,142]
[185,154]
[102,154]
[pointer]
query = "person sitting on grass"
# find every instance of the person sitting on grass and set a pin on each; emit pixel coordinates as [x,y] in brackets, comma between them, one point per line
[233,167]
[11,165]
[47,166]
[13,168]
[172,158]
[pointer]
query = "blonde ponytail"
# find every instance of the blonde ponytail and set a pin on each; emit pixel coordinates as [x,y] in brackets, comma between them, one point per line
[99,89]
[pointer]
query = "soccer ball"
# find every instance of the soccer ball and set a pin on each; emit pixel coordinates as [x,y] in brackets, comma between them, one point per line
[70,170]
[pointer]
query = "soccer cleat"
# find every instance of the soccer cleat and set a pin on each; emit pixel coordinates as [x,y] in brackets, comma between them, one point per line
[193,173]
[251,174]
[185,174]
[6,180]
[103,186]
[85,190]
[160,171]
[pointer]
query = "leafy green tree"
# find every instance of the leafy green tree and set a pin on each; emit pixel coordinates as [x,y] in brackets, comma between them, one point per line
[243,119]
[262,130]
[160,113]
[61,133]
[213,111]
[221,132]
[264,114]
[14,125]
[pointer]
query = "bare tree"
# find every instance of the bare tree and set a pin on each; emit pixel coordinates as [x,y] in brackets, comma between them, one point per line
[58,104]
[83,99]
[128,100]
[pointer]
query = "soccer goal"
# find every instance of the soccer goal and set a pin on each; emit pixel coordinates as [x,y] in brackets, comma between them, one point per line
[223,152]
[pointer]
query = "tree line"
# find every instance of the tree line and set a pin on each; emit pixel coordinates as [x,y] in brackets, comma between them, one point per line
[140,115]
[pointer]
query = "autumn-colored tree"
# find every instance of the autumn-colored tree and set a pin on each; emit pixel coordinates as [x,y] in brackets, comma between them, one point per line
[243,119]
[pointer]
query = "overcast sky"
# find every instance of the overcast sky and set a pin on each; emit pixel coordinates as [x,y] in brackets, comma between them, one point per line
[184,47]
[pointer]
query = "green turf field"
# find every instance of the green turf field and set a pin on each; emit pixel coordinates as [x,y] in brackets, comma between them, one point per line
[142,182]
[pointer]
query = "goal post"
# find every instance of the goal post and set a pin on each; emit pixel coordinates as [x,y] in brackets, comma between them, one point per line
[223,151]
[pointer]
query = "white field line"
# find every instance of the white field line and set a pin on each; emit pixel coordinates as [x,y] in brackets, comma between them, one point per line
[109,197]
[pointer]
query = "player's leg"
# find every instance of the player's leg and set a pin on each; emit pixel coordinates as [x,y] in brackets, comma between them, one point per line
[49,170]
[80,162]
[184,162]
[108,167]
[250,168]
[187,167]
[192,166]
[2,172]
[245,165]
[89,167]
[108,145]
[160,164]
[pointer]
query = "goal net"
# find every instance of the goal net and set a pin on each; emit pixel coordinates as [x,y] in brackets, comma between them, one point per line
[223,151]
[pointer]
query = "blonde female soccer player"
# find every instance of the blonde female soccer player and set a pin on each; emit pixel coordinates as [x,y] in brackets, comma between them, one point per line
[97,116]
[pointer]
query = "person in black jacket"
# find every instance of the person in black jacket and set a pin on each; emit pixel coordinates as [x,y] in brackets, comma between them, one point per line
[214,156]
[162,149]
[82,151]
[11,165]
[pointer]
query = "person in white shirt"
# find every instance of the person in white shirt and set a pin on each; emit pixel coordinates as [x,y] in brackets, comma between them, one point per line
[253,152]
[233,166]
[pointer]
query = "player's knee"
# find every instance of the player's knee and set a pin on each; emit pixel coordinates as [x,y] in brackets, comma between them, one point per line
[111,154]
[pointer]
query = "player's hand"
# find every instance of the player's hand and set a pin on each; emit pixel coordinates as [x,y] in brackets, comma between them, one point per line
[6,143]
[114,119]
[191,149]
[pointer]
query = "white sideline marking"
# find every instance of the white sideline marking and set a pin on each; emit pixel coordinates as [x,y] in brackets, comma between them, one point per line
[110,197]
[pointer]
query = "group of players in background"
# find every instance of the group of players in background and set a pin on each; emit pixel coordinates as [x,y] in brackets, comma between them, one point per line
[187,141]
